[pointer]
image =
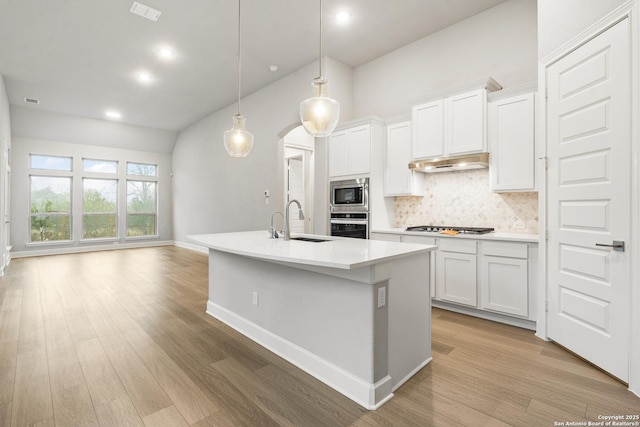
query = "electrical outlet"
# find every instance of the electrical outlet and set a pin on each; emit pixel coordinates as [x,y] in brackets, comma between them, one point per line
[382,296]
[519,224]
[255,299]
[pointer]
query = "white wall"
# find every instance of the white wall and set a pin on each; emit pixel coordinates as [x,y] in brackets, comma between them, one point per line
[5,149]
[214,192]
[500,43]
[20,224]
[559,21]
[40,124]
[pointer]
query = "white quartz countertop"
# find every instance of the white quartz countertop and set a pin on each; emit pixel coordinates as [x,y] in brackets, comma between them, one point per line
[342,253]
[510,237]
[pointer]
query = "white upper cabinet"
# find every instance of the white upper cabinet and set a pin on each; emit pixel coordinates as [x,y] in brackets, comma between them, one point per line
[350,151]
[512,143]
[465,118]
[338,154]
[453,125]
[428,130]
[399,180]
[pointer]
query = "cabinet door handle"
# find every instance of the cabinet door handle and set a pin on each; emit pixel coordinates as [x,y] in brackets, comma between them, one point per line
[617,245]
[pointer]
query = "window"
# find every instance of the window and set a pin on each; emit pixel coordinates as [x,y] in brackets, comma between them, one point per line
[50,208]
[99,208]
[100,166]
[91,200]
[141,169]
[53,163]
[142,208]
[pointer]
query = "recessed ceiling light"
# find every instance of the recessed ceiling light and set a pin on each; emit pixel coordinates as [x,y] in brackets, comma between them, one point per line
[144,77]
[273,68]
[343,16]
[113,114]
[166,53]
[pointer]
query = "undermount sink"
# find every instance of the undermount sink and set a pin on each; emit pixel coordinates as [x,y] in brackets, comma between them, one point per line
[309,239]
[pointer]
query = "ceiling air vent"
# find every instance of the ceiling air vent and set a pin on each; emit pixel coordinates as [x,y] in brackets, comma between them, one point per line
[31,101]
[145,11]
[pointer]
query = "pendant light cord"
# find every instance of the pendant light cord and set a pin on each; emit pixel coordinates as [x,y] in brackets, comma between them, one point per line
[239,57]
[320,59]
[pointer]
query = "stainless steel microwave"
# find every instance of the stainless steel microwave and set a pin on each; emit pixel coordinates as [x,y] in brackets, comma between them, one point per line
[350,195]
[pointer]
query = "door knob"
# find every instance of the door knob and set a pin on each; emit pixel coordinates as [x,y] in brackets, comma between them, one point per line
[617,245]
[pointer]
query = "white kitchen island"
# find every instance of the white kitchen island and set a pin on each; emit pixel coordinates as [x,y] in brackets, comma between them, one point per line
[353,313]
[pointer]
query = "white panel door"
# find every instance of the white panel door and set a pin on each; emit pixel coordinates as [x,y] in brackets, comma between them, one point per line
[588,180]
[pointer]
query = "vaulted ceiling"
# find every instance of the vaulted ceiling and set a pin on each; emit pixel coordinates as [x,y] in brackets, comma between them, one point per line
[83,57]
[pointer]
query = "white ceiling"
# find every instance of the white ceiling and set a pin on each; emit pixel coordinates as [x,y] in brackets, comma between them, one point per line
[80,56]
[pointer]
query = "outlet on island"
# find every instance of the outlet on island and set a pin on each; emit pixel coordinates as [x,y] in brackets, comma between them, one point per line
[382,297]
[255,299]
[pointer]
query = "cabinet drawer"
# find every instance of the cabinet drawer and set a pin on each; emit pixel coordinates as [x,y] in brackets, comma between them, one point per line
[456,245]
[386,237]
[504,249]
[419,239]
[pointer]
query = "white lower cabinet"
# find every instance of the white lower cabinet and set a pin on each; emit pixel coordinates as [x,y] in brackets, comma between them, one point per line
[457,272]
[481,276]
[505,278]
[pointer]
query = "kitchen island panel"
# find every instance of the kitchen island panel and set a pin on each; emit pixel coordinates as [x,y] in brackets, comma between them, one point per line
[361,325]
[329,317]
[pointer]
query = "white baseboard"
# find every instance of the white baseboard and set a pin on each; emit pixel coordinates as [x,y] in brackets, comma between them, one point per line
[495,317]
[412,373]
[370,396]
[87,248]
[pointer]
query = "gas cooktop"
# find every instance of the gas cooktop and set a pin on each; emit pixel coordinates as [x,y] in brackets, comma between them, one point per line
[441,228]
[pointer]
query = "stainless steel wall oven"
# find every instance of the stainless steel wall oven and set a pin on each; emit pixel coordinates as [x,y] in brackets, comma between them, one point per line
[349,208]
[354,225]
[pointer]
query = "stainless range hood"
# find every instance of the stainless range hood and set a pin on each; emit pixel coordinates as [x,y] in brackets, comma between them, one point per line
[450,164]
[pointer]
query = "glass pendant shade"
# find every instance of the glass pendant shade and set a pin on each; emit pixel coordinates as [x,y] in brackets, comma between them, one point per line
[320,114]
[238,141]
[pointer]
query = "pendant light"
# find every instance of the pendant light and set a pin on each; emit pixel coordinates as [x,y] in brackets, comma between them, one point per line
[320,114]
[238,141]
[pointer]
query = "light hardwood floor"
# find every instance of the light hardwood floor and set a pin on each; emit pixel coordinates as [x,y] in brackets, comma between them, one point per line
[121,338]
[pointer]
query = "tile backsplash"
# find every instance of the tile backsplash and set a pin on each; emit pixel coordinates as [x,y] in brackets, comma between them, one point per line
[464,199]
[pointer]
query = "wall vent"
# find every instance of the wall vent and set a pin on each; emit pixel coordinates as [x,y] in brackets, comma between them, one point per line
[31,101]
[145,11]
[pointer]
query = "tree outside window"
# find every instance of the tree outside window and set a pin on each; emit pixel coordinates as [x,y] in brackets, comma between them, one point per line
[50,208]
[142,208]
[99,208]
